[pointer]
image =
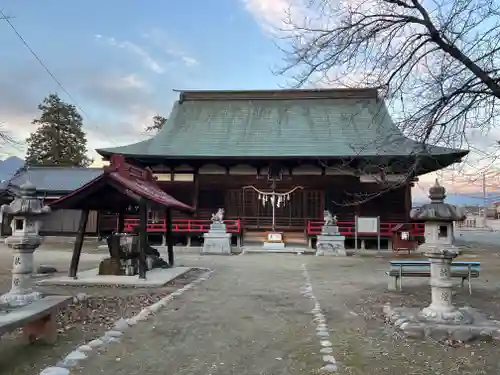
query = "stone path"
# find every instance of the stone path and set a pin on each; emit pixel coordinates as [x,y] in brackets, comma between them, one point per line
[250,317]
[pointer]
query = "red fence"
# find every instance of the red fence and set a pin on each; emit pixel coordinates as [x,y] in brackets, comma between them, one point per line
[313,228]
[347,228]
[182,225]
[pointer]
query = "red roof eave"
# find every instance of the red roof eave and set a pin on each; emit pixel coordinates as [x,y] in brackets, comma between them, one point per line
[151,192]
[141,188]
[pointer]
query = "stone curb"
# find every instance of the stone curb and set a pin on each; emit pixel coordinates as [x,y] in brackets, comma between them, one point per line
[114,334]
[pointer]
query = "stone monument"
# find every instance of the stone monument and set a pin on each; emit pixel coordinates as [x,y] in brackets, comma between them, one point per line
[217,240]
[441,319]
[330,241]
[25,212]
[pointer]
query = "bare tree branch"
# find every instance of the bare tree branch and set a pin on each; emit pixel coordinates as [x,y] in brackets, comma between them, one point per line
[438,61]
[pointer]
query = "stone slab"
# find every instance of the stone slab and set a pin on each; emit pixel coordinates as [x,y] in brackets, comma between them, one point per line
[20,316]
[154,278]
[273,246]
[407,320]
[285,250]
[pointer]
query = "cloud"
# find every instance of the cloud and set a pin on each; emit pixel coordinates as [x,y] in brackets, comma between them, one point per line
[273,15]
[190,61]
[170,47]
[148,61]
[115,88]
[117,105]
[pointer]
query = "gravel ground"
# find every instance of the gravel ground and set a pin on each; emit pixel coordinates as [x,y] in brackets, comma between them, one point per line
[250,318]
[83,320]
[353,296]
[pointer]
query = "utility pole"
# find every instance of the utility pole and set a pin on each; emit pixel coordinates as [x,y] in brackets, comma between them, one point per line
[485,200]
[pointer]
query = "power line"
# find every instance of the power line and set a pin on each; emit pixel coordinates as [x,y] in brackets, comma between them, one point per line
[44,66]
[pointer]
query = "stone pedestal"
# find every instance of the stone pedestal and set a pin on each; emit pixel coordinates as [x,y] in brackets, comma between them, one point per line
[25,211]
[441,320]
[441,309]
[274,242]
[21,293]
[273,245]
[217,240]
[330,242]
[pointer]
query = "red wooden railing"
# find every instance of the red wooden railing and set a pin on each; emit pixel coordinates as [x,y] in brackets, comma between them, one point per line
[182,225]
[313,228]
[347,228]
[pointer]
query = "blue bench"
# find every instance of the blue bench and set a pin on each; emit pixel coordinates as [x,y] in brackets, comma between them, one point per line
[421,268]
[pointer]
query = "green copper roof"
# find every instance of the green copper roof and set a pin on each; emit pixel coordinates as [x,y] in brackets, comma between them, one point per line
[284,123]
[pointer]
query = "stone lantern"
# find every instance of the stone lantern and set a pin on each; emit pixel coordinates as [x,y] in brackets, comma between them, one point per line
[440,249]
[25,211]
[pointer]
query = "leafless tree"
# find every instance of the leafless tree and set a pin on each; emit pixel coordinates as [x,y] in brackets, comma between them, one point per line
[437,61]
[7,141]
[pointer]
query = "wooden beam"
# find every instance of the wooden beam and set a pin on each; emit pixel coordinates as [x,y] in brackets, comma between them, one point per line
[77,249]
[143,237]
[170,237]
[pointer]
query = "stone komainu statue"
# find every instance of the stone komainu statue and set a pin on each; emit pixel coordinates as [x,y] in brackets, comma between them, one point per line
[218,217]
[329,219]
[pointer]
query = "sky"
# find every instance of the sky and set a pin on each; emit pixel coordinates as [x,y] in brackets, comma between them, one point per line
[121,60]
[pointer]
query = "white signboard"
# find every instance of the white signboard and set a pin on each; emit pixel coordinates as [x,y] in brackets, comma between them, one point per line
[274,237]
[367,225]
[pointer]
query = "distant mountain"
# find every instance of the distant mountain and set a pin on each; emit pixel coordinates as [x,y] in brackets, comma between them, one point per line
[9,166]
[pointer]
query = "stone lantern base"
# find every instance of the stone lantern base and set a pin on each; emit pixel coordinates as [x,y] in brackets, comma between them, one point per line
[474,326]
[17,300]
[441,320]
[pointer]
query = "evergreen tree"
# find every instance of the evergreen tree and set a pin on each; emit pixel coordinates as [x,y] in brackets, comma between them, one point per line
[158,122]
[59,139]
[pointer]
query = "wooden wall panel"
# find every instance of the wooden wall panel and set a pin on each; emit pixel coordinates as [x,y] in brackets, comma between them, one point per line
[67,221]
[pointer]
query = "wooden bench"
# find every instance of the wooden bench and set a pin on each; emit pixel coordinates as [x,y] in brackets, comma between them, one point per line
[411,268]
[37,320]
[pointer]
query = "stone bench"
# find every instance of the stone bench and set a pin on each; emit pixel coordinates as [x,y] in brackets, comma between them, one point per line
[407,268]
[37,320]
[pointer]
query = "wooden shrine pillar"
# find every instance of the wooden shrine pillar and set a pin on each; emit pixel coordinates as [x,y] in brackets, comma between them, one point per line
[169,236]
[196,190]
[121,222]
[77,249]
[408,203]
[143,237]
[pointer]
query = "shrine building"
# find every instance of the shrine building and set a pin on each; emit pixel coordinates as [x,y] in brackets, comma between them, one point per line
[218,149]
